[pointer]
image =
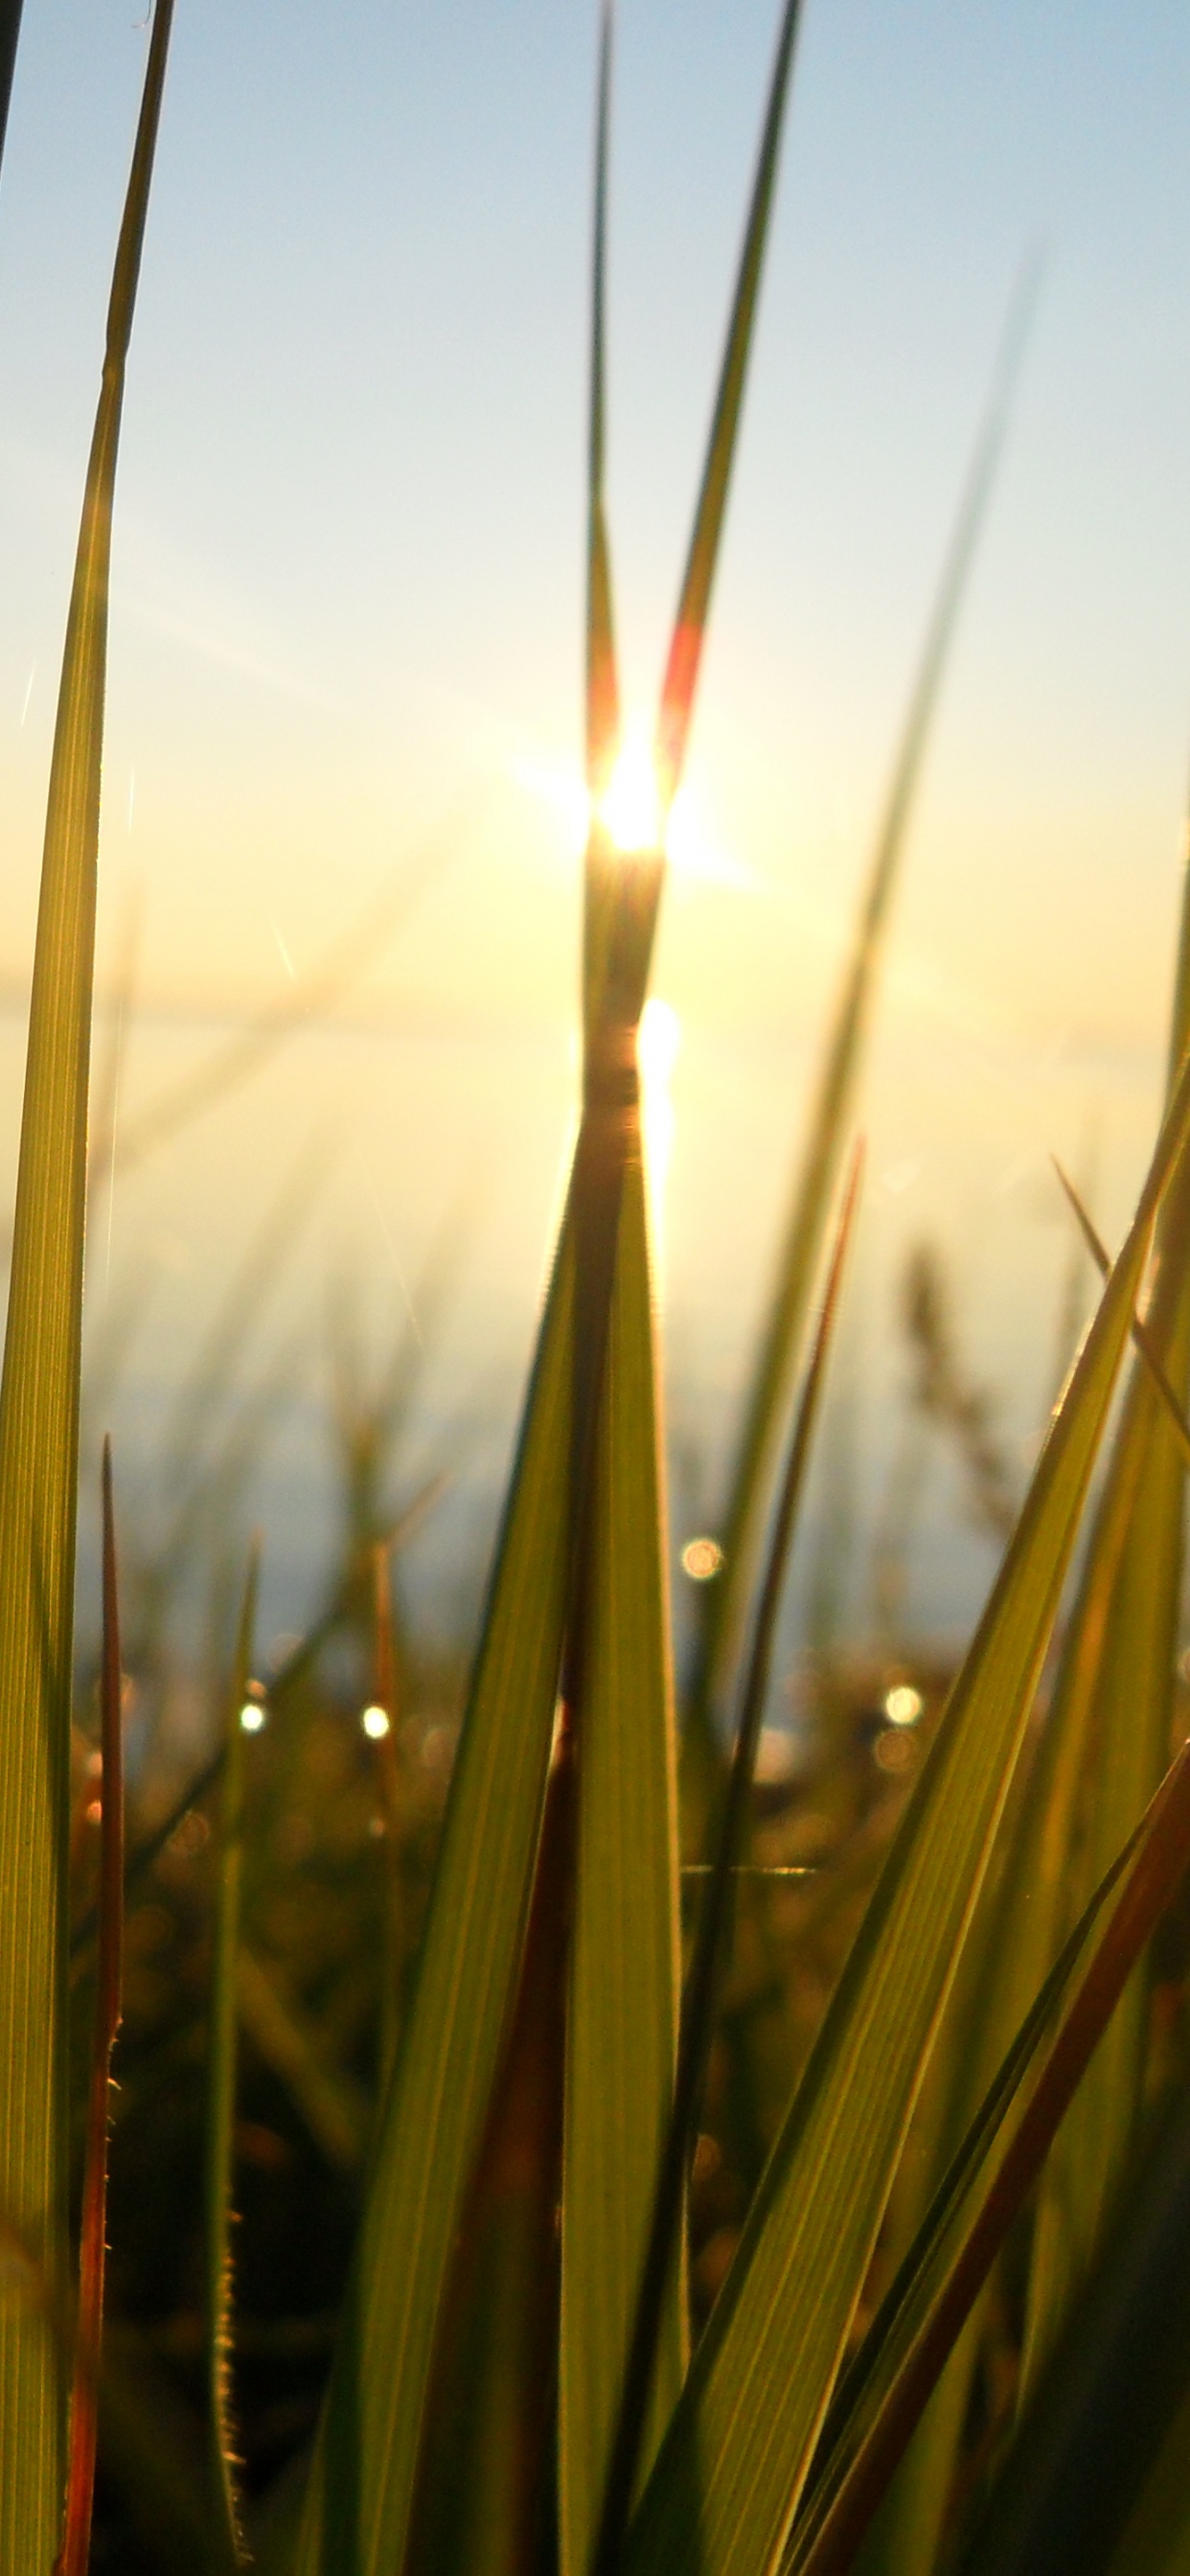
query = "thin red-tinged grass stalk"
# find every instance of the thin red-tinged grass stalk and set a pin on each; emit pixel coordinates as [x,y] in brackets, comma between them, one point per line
[293,1670]
[221,2097]
[1140,1331]
[385,1696]
[80,2487]
[702,1984]
[685,652]
[1150,1883]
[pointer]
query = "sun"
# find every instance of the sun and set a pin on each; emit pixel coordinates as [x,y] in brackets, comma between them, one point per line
[630,808]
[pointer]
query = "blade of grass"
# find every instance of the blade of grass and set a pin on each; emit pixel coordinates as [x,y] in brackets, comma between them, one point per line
[362,2480]
[384,1694]
[623,2012]
[1155,1861]
[726,1600]
[80,2481]
[39,1411]
[730,2472]
[334,2107]
[1119,1656]
[536,1629]
[689,633]
[221,2093]
[293,1671]
[603,693]
[626,2453]
[10,28]
[1140,1332]
[493,2391]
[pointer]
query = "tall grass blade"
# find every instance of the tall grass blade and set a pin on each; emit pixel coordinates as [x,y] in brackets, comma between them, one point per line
[636,2379]
[731,2469]
[221,2094]
[1141,1335]
[39,1411]
[1118,1656]
[603,693]
[84,2402]
[623,2010]
[361,2490]
[385,1697]
[689,634]
[493,2392]
[726,1601]
[926,2329]
[10,28]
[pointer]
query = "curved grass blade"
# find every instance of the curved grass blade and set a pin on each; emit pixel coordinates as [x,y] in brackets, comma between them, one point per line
[362,2482]
[1141,1335]
[39,1412]
[624,1984]
[1156,1861]
[385,1698]
[1113,1702]
[1096,2475]
[292,1672]
[731,2469]
[726,1601]
[493,2391]
[221,2093]
[10,28]
[689,633]
[638,2367]
[84,2422]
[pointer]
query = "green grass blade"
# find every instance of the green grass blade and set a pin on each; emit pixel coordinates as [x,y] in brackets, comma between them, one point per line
[603,694]
[731,2469]
[39,1411]
[625,1973]
[726,1601]
[1145,1341]
[708,1959]
[1113,1699]
[362,2484]
[689,632]
[221,2093]
[84,2400]
[927,2315]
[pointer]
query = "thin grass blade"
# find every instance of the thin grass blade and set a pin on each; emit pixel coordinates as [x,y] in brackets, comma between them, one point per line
[637,2380]
[39,1414]
[1141,1335]
[731,2470]
[362,2484]
[623,2013]
[1157,1864]
[10,28]
[689,633]
[726,1600]
[1113,1703]
[221,2096]
[84,2403]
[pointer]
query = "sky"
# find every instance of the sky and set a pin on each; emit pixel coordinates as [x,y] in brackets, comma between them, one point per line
[346,626]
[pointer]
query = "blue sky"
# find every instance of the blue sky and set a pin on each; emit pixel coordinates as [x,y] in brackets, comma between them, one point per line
[347,588]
